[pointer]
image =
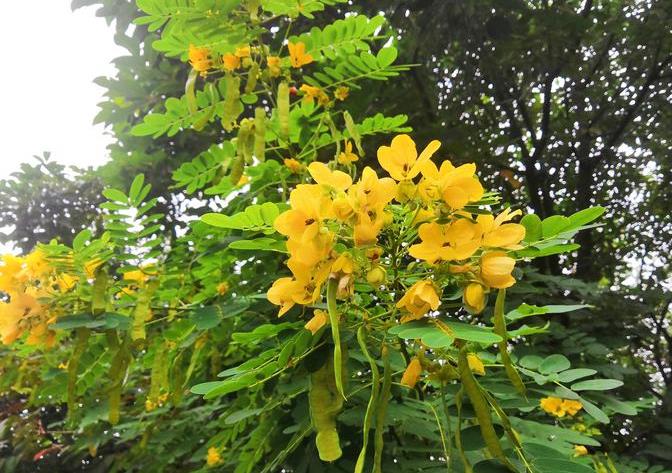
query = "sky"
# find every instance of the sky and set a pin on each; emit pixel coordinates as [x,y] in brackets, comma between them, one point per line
[47,95]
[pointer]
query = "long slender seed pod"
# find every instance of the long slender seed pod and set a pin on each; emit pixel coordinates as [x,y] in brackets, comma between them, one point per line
[375,388]
[381,411]
[117,374]
[500,329]
[260,133]
[481,408]
[458,432]
[334,321]
[73,364]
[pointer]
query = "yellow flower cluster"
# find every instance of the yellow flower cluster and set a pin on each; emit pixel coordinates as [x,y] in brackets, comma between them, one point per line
[335,212]
[560,407]
[26,282]
[214,457]
[203,60]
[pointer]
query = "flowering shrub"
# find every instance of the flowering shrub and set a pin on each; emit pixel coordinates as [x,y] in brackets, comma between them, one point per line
[395,350]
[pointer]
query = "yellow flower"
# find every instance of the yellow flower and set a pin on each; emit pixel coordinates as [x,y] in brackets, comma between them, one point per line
[66,282]
[498,234]
[242,51]
[90,267]
[214,457]
[343,264]
[312,252]
[311,93]
[21,306]
[412,373]
[371,192]
[343,208]
[496,269]
[456,186]
[244,179]
[572,406]
[419,299]
[138,277]
[231,62]
[474,297]
[11,274]
[475,364]
[149,405]
[336,180]
[401,159]
[560,407]
[341,92]
[580,450]
[303,288]
[318,321]
[297,54]
[282,293]
[199,58]
[552,405]
[303,220]
[440,243]
[293,165]
[222,288]
[273,63]
[36,264]
[347,157]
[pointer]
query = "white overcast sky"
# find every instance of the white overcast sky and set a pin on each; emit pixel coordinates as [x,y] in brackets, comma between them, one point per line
[47,96]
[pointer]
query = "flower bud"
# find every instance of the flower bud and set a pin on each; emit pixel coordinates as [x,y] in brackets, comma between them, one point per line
[376,276]
[405,191]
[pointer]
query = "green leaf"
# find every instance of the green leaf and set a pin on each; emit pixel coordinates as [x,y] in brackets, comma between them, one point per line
[532,224]
[553,225]
[206,318]
[70,322]
[136,188]
[597,385]
[386,56]
[594,411]
[472,439]
[262,244]
[585,216]
[263,332]
[572,375]
[115,194]
[554,364]
[525,310]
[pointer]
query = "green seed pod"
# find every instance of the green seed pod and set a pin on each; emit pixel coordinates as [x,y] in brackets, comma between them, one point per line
[117,374]
[232,105]
[283,110]
[325,404]
[252,76]
[189,91]
[260,133]
[73,364]
[143,311]
[98,298]
[481,408]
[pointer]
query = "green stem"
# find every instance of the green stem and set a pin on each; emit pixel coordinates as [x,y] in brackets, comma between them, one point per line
[375,386]
[335,334]
[381,411]
[500,329]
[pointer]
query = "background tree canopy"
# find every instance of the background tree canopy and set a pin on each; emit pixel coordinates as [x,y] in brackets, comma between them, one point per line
[562,105]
